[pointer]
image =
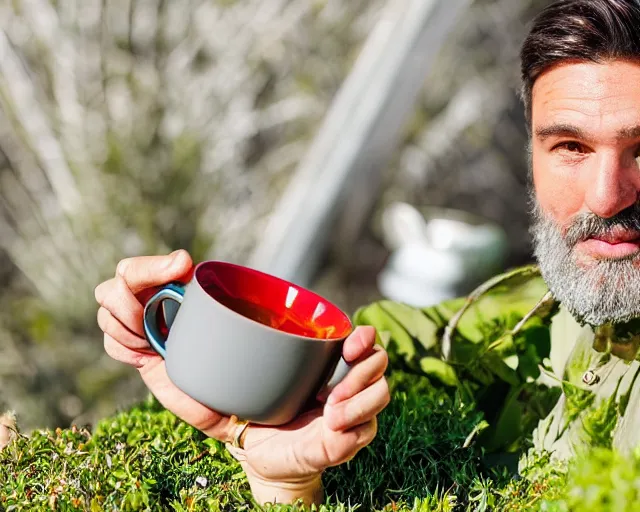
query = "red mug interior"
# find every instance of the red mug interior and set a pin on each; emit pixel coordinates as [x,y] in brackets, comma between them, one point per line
[272,301]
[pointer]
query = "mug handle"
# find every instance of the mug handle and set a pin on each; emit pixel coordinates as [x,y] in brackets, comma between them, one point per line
[173,292]
[341,371]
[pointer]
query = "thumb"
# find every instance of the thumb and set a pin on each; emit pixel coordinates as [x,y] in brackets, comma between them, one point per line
[149,271]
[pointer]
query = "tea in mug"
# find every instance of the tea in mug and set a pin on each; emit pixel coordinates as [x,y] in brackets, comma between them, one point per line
[286,321]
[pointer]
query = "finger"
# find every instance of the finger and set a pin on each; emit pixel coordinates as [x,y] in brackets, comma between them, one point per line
[364,433]
[102,290]
[148,271]
[116,297]
[135,358]
[344,446]
[361,375]
[358,409]
[114,328]
[359,343]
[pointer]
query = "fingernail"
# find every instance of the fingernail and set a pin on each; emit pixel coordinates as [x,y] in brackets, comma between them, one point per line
[122,266]
[173,257]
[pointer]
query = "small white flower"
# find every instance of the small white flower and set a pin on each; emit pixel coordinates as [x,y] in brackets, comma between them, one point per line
[201,481]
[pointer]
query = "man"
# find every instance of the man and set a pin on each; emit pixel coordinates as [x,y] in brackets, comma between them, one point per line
[581,74]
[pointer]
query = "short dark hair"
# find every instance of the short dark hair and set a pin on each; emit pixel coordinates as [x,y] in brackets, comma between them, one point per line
[579,30]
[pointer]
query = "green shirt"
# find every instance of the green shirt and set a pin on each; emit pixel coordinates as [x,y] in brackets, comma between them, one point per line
[598,373]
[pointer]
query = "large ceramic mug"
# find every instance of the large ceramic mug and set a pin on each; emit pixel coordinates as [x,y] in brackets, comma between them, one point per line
[246,343]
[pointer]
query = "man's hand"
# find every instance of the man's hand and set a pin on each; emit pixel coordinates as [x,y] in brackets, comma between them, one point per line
[283,464]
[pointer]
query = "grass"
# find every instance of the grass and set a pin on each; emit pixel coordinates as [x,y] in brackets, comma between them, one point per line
[419,451]
[424,459]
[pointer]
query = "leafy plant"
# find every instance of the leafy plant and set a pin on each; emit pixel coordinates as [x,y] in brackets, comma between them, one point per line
[425,459]
[424,447]
[489,346]
[147,459]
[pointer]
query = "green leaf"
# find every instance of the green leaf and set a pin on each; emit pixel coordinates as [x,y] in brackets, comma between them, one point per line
[529,363]
[134,436]
[377,317]
[504,346]
[512,361]
[509,296]
[479,428]
[464,352]
[441,313]
[507,427]
[414,321]
[442,371]
[498,367]
[538,336]
[119,474]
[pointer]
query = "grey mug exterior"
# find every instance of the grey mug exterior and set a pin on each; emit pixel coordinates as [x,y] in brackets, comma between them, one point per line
[235,365]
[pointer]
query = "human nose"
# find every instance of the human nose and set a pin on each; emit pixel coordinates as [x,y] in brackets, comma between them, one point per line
[612,186]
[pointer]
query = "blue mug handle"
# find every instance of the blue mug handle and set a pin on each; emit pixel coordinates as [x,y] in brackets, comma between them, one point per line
[173,292]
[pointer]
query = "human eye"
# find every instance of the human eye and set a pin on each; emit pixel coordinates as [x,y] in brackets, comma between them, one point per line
[571,147]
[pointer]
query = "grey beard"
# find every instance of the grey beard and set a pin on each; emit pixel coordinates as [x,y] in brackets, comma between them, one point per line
[600,292]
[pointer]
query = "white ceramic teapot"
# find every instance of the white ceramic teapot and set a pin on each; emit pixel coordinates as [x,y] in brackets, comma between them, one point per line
[436,253]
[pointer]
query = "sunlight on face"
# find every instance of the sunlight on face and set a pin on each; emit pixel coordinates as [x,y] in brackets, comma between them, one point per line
[586,175]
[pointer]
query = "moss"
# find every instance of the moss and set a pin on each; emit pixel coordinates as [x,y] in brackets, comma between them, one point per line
[420,450]
[424,459]
[147,459]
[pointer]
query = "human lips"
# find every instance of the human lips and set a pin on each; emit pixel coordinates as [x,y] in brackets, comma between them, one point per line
[617,243]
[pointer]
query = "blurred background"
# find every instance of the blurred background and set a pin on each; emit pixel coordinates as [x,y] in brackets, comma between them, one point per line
[318,140]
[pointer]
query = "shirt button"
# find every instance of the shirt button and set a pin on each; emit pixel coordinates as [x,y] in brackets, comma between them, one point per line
[590,378]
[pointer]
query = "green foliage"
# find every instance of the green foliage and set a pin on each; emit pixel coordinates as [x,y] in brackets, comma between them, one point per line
[144,458]
[597,480]
[423,460]
[489,347]
[604,480]
[147,459]
[441,443]
[421,448]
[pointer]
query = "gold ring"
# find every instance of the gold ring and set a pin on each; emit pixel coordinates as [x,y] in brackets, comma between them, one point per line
[238,440]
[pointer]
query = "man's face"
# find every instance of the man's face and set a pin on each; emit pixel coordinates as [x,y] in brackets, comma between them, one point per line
[586,176]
